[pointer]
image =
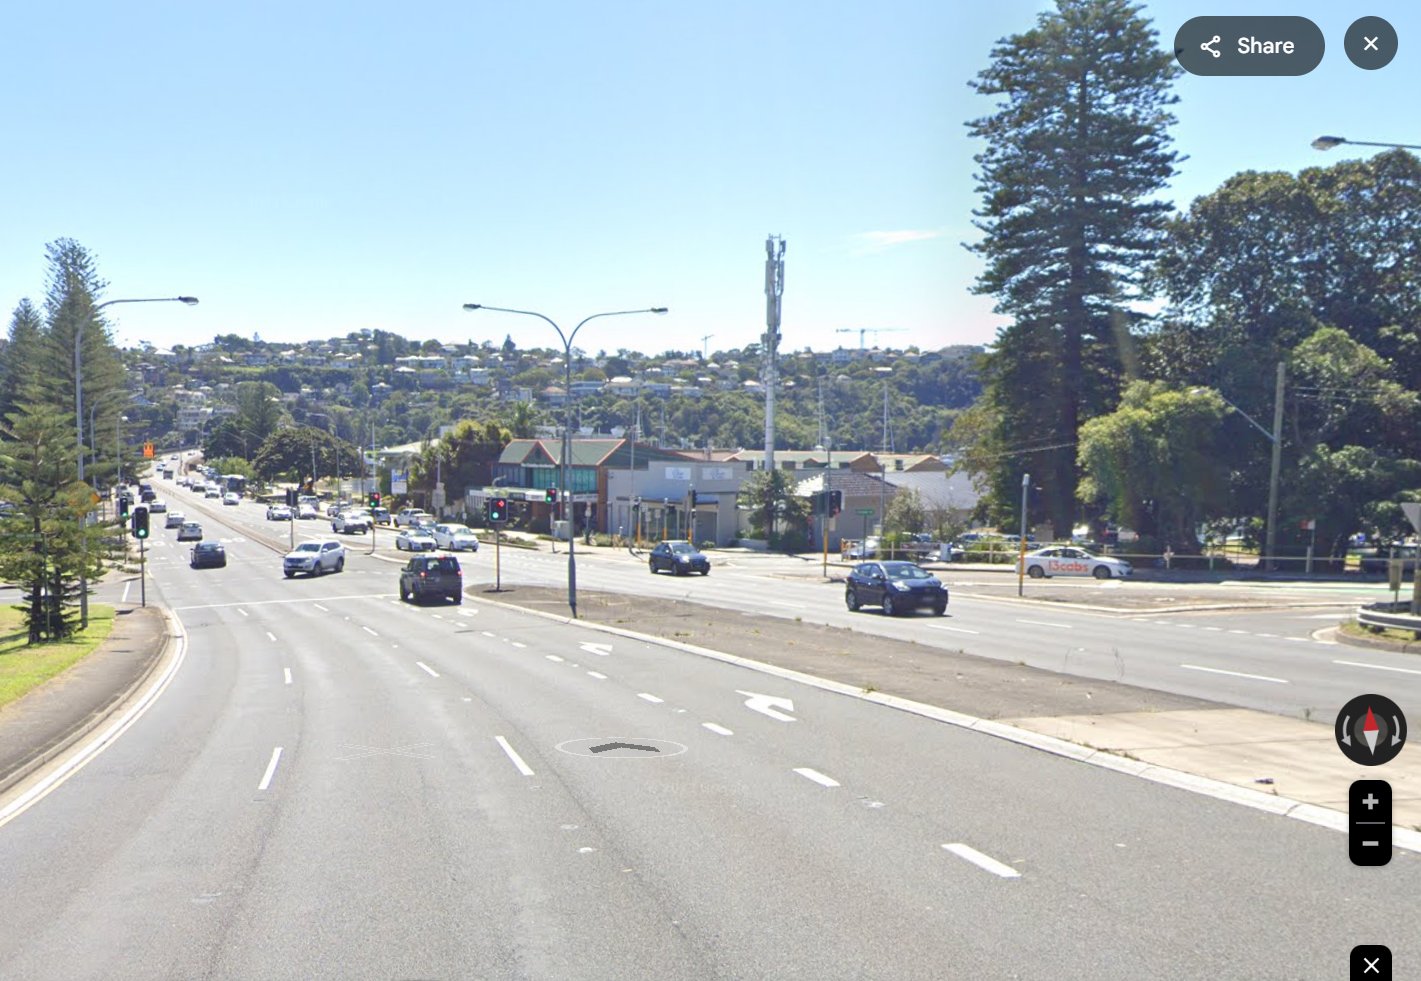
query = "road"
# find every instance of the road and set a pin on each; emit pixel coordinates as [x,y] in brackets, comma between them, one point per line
[336,784]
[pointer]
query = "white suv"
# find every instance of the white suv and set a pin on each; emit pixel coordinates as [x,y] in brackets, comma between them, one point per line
[314,558]
[351,522]
[410,516]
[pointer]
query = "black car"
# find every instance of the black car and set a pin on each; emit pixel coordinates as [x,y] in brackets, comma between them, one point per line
[897,587]
[432,575]
[680,558]
[208,554]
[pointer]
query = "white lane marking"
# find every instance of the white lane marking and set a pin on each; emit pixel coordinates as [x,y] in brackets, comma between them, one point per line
[517,644]
[126,587]
[287,672]
[368,630]
[243,612]
[1240,631]
[102,741]
[718,730]
[320,607]
[1236,674]
[982,861]
[816,776]
[1274,636]
[271,636]
[602,649]
[553,657]
[438,616]
[1214,628]
[523,768]
[1187,626]
[1379,667]
[270,769]
[598,675]
[467,613]
[649,698]
[432,672]
[486,633]
[302,599]
[1043,623]
[1300,640]
[956,630]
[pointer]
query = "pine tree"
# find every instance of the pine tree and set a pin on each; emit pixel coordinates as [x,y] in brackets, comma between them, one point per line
[1077,153]
[20,362]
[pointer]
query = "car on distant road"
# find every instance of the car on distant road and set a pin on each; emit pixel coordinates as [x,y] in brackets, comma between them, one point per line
[381,515]
[176,519]
[190,531]
[157,507]
[307,512]
[415,540]
[231,497]
[456,538]
[351,522]
[208,554]
[865,549]
[1067,560]
[432,575]
[1380,559]
[895,587]
[407,516]
[212,490]
[314,558]
[278,512]
[682,558]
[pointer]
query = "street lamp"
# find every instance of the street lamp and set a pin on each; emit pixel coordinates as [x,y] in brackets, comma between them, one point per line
[1329,142]
[79,424]
[565,494]
[1276,438]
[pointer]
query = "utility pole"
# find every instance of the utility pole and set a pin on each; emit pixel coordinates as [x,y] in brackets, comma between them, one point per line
[774,290]
[1272,536]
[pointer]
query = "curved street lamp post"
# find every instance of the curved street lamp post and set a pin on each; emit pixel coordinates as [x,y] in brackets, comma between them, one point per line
[569,516]
[79,425]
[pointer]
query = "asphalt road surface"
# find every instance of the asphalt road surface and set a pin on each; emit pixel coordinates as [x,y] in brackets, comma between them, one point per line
[339,785]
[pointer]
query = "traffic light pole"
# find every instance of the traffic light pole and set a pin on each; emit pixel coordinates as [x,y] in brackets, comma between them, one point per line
[142,572]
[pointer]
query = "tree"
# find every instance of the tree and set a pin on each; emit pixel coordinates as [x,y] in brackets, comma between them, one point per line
[295,450]
[1076,156]
[42,550]
[523,420]
[906,513]
[22,355]
[1154,464]
[777,514]
[259,409]
[225,440]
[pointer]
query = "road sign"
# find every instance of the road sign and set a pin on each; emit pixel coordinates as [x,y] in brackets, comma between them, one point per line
[147,451]
[866,512]
[399,482]
[1412,510]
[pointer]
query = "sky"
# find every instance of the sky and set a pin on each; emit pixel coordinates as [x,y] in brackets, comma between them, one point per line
[311,169]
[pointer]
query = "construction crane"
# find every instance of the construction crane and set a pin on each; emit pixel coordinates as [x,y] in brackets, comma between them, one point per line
[704,350]
[875,331]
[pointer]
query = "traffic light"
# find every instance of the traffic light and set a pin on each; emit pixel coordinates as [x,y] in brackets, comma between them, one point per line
[123,506]
[292,497]
[497,509]
[375,499]
[140,522]
[551,495]
[836,502]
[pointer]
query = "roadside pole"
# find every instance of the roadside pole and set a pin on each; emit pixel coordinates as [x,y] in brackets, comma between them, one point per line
[497,556]
[142,572]
[1021,554]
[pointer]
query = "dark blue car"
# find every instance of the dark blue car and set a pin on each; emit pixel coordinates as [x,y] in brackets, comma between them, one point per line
[895,587]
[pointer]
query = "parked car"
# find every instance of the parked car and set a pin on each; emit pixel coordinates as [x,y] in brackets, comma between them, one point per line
[406,516]
[456,538]
[190,531]
[1067,560]
[157,507]
[682,558]
[176,519]
[432,575]
[314,558]
[278,512]
[895,587]
[1380,559]
[865,549]
[351,522]
[415,540]
[208,554]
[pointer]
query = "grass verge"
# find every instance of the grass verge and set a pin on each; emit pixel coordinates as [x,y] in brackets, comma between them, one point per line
[24,667]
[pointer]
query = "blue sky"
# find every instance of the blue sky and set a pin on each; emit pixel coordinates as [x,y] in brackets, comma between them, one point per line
[309,169]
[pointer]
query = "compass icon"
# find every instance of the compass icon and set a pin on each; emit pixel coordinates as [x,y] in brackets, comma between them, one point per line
[1370,730]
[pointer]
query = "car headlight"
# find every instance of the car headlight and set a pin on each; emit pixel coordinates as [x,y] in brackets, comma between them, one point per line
[901,586]
[683,558]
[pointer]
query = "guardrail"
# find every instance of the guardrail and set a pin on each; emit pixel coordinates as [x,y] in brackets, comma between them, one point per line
[1396,616]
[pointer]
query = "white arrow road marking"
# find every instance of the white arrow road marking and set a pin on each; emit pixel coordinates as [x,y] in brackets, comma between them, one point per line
[767,705]
[982,861]
[602,649]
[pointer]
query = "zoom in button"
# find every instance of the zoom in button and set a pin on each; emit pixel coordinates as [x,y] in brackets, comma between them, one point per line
[1249,46]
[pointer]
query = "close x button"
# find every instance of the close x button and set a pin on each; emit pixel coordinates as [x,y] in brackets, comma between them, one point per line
[1249,46]
[1371,962]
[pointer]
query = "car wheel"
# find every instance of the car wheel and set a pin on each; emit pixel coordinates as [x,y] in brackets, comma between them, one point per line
[404,594]
[851,600]
[340,564]
[705,572]
[652,566]
[1035,572]
[458,599]
[889,607]
[289,574]
[1101,572]
[940,608]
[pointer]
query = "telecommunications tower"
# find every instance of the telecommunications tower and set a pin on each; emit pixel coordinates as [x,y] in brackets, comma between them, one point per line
[774,289]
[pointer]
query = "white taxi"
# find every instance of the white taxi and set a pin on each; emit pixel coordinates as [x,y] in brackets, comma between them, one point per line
[1066,560]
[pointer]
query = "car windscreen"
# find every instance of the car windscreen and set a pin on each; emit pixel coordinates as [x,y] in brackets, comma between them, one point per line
[444,566]
[904,570]
[683,548]
[308,547]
